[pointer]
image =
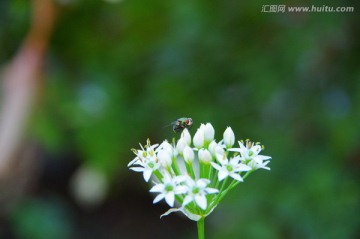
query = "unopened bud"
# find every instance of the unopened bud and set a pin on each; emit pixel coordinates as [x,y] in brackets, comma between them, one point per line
[188,154]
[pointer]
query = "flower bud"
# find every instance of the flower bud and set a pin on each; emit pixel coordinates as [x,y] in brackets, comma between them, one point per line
[186,135]
[164,158]
[221,158]
[219,150]
[209,132]
[204,156]
[188,154]
[167,147]
[181,145]
[199,138]
[229,137]
[212,147]
[202,127]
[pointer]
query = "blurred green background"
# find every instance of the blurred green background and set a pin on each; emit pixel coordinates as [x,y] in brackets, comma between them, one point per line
[116,73]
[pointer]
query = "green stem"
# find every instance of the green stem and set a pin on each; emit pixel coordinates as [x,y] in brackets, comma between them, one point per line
[219,195]
[232,185]
[158,174]
[175,166]
[204,170]
[201,226]
[190,170]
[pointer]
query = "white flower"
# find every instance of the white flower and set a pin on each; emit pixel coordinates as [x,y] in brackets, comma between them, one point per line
[212,147]
[209,132]
[141,155]
[177,176]
[169,188]
[164,158]
[186,135]
[250,155]
[219,150]
[230,167]
[148,166]
[199,138]
[197,192]
[181,145]
[229,137]
[204,156]
[188,154]
[146,160]
[255,165]
[167,147]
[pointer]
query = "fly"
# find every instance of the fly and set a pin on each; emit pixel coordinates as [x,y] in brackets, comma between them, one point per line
[180,124]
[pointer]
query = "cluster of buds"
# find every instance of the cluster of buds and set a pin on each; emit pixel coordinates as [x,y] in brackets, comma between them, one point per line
[196,173]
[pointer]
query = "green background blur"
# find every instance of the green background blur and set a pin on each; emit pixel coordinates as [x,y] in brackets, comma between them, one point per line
[116,73]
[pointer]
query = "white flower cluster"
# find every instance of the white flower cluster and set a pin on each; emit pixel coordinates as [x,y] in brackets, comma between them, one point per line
[197,174]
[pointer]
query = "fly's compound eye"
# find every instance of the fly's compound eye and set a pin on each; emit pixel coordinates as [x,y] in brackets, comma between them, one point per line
[188,122]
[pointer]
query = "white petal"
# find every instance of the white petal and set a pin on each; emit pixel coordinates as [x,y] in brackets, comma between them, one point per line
[181,189]
[261,157]
[221,158]
[198,139]
[256,149]
[235,160]
[219,149]
[209,132]
[169,198]
[202,182]
[222,174]
[181,145]
[242,168]
[158,198]
[164,158]
[216,166]
[188,154]
[190,182]
[137,169]
[157,188]
[201,201]
[242,146]
[244,153]
[154,146]
[181,178]
[186,135]
[133,161]
[212,147]
[147,174]
[264,165]
[186,212]
[229,137]
[188,199]
[235,150]
[211,190]
[236,177]
[171,210]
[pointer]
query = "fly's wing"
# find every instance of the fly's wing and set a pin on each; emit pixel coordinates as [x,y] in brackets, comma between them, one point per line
[177,126]
[172,123]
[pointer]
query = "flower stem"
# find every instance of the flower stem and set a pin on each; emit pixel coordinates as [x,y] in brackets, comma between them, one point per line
[190,170]
[232,185]
[175,166]
[201,226]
